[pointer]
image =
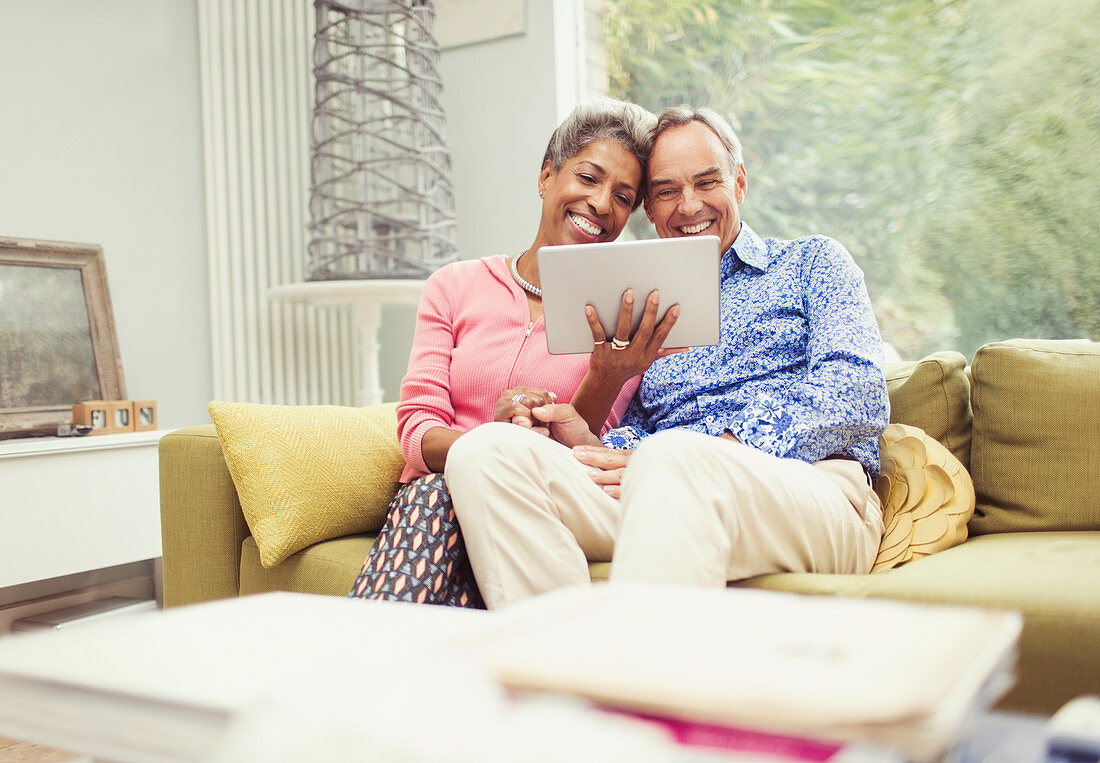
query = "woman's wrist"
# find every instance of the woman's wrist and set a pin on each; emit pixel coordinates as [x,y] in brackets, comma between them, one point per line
[434,446]
[606,379]
[594,398]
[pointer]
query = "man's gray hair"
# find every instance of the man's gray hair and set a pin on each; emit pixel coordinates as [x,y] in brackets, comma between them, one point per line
[682,115]
[603,119]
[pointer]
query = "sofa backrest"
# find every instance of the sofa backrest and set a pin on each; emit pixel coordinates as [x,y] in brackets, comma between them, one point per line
[1036,408]
[934,394]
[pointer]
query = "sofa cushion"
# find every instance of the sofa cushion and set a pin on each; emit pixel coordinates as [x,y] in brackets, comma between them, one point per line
[308,473]
[817,583]
[1036,428]
[1052,578]
[933,394]
[927,497]
[329,567]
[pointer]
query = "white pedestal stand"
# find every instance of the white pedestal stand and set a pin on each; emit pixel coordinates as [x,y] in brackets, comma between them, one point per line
[366,298]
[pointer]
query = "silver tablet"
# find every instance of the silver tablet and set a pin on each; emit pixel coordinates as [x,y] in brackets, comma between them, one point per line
[685,270]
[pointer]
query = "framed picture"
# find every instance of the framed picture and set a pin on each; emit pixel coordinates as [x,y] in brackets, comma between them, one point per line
[57,334]
[465,22]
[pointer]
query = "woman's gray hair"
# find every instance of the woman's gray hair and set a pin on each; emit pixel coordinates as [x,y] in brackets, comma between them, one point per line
[682,115]
[603,119]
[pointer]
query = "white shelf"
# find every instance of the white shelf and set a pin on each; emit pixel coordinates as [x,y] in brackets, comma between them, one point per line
[75,504]
[35,446]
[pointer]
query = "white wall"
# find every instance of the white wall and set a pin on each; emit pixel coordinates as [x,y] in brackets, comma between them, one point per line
[503,100]
[100,142]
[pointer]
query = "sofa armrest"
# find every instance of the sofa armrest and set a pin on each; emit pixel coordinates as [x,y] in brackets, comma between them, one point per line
[202,527]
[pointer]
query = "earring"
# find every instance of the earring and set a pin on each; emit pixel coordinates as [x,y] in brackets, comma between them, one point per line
[540,194]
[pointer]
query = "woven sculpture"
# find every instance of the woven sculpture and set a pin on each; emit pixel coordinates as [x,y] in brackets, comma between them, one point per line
[927,496]
[382,203]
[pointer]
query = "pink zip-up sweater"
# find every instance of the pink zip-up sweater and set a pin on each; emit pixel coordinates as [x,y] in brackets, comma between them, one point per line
[474,339]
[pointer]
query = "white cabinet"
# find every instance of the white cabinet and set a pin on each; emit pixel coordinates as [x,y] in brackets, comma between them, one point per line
[74,504]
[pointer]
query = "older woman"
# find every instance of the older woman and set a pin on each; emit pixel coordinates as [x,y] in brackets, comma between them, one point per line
[479,352]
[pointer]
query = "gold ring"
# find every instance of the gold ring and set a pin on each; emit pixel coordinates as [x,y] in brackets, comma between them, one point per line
[618,344]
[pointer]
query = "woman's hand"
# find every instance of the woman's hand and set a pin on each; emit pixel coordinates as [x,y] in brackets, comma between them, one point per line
[605,466]
[514,405]
[616,359]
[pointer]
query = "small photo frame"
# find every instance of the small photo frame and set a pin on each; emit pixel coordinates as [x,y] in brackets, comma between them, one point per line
[93,413]
[144,415]
[120,412]
[105,416]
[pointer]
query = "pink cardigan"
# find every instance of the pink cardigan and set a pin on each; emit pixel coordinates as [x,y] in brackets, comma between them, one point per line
[474,339]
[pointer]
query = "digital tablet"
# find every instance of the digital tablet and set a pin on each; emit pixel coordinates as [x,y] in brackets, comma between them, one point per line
[685,270]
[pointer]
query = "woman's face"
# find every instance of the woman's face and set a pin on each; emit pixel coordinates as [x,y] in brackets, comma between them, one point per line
[590,198]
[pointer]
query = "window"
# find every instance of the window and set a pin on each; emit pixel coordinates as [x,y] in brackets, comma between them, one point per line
[950,145]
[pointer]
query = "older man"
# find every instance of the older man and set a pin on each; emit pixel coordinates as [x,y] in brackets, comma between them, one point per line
[749,457]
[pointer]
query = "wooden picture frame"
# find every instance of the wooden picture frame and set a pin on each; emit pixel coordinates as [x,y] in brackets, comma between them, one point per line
[57,334]
[468,22]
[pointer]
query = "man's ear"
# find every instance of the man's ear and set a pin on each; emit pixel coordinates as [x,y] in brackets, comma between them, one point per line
[741,184]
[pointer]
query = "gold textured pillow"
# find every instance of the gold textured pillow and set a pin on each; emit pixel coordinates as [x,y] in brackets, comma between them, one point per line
[308,473]
[927,496]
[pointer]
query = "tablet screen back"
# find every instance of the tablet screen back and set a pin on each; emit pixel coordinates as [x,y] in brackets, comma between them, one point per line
[685,270]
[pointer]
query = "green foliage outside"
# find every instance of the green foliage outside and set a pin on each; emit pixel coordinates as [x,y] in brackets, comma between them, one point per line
[951,145]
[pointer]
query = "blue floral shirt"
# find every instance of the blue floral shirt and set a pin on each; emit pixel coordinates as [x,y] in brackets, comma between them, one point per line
[798,371]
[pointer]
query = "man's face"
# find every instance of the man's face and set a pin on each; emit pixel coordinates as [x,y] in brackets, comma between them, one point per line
[693,191]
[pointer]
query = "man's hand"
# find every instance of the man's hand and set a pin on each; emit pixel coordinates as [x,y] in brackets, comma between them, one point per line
[514,405]
[605,466]
[564,424]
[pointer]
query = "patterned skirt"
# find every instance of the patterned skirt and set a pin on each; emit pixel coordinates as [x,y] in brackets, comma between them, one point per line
[419,555]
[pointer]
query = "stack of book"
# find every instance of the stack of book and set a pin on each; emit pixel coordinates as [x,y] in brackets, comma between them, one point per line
[676,672]
[806,675]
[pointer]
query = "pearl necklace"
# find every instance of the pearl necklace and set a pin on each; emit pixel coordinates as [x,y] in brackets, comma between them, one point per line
[524,284]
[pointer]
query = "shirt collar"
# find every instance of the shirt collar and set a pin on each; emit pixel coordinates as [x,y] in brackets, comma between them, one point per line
[748,248]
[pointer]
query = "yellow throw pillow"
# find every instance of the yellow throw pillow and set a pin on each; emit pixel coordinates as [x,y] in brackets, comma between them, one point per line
[927,496]
[309,473]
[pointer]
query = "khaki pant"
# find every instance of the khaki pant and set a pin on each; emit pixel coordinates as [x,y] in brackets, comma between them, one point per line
[695,510]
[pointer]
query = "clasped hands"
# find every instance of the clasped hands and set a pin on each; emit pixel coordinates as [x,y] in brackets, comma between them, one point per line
[613,362]
[537,410]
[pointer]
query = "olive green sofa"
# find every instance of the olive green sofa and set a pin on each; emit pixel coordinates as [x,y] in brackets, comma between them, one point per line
[1024,418]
